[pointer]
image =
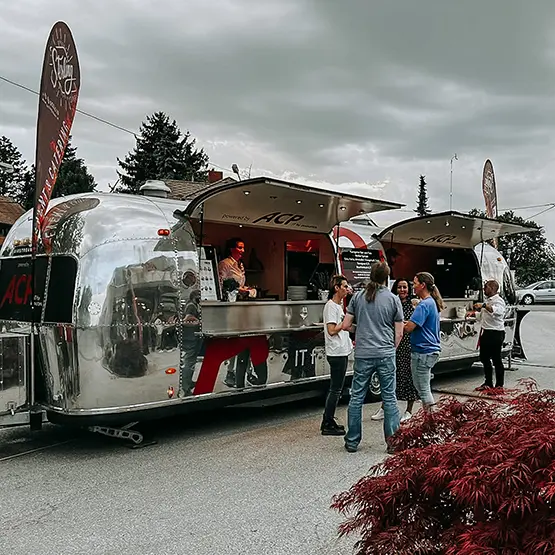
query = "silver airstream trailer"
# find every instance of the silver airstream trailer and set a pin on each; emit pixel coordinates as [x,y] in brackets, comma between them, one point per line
[134,320]
[452,246]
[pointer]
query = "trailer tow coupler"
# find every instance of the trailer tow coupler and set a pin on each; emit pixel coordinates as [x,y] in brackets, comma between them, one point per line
[135,437]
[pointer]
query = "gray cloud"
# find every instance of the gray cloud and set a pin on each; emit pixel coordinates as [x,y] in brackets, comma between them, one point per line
[332,93]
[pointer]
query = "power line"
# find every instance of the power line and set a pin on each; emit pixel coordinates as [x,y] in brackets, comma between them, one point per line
[114,125]
[92,116]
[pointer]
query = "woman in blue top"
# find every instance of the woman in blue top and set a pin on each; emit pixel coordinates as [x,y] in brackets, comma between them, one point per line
[424,339]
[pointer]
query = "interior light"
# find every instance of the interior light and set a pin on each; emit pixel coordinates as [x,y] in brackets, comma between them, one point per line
[299,201]
[240,225]
[342,208]
[463,226]
[247,192]
[447,224]
[321,205]
[163,232]
[428,222]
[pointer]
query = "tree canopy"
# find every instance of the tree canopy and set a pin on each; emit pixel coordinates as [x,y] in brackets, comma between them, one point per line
[529,254]
[162,151]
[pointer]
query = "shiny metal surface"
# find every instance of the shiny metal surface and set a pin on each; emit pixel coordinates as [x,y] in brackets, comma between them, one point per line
[259,317]
[134,282]
[459,336]
[139,337]
[448,229]
[13,362]
[134,340]
[277,204]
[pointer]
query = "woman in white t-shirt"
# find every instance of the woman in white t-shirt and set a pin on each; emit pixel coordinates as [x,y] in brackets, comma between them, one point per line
[338,348]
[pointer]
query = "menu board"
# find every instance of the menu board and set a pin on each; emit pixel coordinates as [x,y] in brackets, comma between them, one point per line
[356,265]
[209,286]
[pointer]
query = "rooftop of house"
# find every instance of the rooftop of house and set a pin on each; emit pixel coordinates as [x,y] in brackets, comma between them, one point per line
[10,210]
[184,190]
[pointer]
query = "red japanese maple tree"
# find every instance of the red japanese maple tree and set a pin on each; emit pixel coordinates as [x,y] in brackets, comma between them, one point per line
[476,477]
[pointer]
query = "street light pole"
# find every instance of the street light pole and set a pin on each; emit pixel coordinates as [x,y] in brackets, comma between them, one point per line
[454,157]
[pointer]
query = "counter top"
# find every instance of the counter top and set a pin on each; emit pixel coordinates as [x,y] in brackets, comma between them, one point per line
[260,302]
[266,331]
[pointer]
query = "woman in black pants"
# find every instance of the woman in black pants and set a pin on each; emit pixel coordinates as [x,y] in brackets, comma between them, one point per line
[338,348]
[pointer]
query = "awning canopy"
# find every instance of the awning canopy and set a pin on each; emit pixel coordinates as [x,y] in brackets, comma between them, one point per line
[271,203]
[449,229]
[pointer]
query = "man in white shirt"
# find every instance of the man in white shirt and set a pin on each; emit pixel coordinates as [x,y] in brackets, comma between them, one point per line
[492,317]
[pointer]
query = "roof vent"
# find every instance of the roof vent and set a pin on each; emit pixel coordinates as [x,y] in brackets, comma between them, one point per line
[154,188]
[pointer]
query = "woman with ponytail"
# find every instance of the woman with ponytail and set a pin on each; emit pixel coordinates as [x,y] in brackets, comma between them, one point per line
[425,341]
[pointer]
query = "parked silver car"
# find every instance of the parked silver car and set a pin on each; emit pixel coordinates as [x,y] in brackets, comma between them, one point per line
[539,292]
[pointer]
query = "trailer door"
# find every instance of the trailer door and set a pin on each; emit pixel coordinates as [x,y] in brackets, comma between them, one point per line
[55,285]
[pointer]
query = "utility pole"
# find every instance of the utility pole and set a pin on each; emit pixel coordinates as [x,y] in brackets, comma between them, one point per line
[454,157]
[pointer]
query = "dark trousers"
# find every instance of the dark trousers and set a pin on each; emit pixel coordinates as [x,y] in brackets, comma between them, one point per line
[490,351]
[338,368]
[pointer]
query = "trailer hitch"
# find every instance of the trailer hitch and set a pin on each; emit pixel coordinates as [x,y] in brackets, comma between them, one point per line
[135,437]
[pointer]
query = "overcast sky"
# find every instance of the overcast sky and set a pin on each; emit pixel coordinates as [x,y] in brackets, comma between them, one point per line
[362,94]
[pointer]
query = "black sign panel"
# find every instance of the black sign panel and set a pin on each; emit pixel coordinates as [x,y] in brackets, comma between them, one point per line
[16,288]
[356,265]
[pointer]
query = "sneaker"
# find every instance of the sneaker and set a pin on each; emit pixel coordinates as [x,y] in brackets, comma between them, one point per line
[329,430]
[378,416]
[390,449]
[483,387]
[406,416]
[350,448]
[332,429]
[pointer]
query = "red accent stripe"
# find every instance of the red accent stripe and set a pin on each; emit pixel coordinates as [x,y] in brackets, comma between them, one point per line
[219,350]
[357,241]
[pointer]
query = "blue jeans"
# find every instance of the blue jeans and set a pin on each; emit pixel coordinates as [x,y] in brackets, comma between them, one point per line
[421,365]
[364,369]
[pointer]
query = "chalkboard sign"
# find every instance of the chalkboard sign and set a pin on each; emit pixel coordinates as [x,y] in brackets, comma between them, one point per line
[356,265]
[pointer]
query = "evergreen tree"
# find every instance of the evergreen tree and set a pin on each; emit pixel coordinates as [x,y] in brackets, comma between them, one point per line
[73,178]
[25,194]
[162,152]
[529,254]
[11,179]
[422,208]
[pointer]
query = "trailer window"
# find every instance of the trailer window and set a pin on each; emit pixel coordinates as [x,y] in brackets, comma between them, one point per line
[509,287]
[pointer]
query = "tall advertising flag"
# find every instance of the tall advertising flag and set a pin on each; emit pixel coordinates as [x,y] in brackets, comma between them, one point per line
[490,192]
[59,91]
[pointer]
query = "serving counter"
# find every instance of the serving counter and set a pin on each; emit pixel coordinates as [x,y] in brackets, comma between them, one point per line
[259,317]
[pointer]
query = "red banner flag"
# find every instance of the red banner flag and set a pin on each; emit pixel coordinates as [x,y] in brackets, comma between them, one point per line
[489,190]
[59,91]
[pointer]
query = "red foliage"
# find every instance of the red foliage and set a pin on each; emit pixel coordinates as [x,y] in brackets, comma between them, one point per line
[474,477]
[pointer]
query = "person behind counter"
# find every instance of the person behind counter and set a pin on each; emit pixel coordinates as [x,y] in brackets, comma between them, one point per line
[424,339]
[232,266]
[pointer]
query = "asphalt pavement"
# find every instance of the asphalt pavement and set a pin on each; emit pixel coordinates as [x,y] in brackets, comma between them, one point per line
[236,481]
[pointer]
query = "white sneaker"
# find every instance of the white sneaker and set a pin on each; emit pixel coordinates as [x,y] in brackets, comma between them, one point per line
[378,416]
[406,416]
